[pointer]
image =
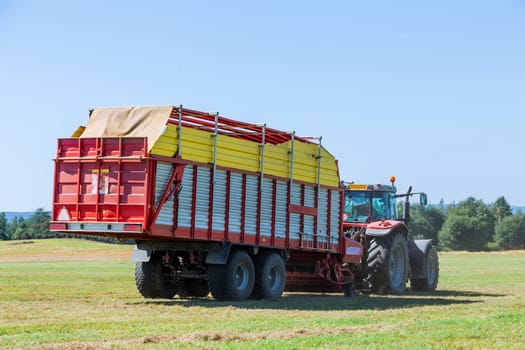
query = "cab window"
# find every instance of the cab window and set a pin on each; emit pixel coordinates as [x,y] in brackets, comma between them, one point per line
[357,206]
[380,206]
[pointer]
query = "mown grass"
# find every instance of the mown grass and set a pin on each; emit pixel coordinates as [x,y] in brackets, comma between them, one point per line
[77,303]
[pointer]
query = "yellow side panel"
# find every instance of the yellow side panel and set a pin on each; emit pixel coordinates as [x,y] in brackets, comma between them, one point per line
[305,163]
[197,145]
[237,153]
[166,144]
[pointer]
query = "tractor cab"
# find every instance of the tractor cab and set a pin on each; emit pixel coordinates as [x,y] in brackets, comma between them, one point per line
[369,203]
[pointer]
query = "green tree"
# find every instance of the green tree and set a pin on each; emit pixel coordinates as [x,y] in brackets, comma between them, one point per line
[36,226]
[468,226]
[4,234]
[501,209]
[21,231]
[510,232]
[11,227]
[426,222]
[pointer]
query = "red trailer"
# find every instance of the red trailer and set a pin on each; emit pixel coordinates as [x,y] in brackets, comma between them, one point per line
[214,204]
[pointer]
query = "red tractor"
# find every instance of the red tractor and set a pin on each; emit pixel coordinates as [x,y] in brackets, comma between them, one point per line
[390,258]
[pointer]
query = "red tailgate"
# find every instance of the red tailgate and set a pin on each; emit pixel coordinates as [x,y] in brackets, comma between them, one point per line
[100,185]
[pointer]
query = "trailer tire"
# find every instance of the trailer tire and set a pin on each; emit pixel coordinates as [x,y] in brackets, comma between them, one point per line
[191,287]
[270,277]
[216,281]
[349,290]
[430,282]
[233,281]
[388,264]
[145,280]
[153,280]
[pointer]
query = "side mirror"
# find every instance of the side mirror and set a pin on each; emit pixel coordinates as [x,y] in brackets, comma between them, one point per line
[423,200]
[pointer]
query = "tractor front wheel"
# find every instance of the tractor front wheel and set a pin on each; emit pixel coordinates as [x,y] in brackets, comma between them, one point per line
[431,273]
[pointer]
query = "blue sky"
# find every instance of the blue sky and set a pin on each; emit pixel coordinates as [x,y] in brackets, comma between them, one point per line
[430,91]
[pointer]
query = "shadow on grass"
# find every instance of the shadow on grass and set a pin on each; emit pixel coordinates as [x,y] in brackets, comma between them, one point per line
[334,302]
[458,293]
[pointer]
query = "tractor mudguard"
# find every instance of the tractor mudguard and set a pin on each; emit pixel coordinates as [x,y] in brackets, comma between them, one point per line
[385,227]
[417,250]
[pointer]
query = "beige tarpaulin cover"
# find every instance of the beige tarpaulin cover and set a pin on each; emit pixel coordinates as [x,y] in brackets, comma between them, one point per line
[147,122]
[198,145]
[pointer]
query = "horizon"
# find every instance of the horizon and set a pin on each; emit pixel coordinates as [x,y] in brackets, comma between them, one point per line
[513,207]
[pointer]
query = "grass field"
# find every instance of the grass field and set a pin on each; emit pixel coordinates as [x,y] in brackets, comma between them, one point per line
[74,294]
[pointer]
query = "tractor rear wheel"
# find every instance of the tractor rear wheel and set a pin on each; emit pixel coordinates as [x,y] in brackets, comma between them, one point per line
[431,264]
[388,264]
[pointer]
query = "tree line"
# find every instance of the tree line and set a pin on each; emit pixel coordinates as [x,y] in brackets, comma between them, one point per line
[469,225]
[37,227]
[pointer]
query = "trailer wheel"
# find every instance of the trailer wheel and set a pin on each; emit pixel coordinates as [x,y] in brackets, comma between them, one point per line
[349,290]
[216,281]
[270,277]
[154,280]
[388,264]
[233,281]
[430,282]
[145,280]
[191,287]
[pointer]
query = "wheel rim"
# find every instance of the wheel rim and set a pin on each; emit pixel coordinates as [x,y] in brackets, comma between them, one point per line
[397,262]
[241,277]
[274,278]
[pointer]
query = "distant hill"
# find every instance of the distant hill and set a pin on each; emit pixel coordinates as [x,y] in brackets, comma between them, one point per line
[21,214]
